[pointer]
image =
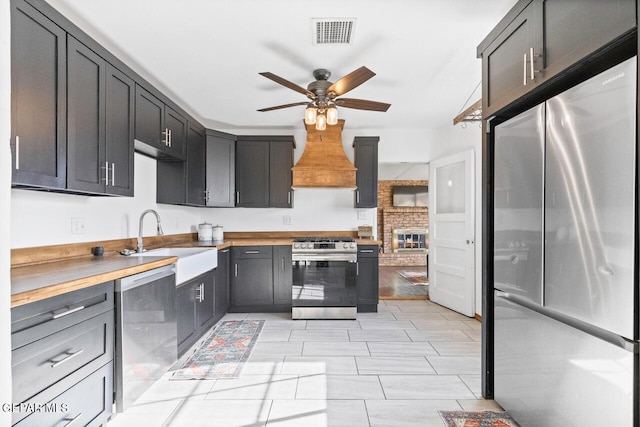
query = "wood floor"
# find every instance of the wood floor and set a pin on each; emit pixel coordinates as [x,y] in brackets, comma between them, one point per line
[393,286]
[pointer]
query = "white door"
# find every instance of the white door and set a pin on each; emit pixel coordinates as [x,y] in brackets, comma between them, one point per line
[451,233]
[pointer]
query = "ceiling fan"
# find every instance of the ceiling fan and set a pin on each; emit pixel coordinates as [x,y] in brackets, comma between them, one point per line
[323,94]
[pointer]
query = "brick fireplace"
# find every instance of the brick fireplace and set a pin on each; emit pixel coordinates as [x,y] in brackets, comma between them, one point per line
[408,218]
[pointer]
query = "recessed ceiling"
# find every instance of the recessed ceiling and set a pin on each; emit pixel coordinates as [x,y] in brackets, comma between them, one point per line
[207,54]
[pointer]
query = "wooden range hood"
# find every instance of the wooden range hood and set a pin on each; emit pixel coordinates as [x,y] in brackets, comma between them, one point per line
[324,164]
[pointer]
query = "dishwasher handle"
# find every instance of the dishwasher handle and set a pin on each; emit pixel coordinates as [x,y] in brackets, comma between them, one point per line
[140,279]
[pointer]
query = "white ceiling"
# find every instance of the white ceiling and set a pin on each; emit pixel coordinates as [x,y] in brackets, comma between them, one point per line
[207,54]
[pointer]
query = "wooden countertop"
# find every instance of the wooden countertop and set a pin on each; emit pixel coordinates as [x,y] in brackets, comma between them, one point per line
[40,279]
[37,282]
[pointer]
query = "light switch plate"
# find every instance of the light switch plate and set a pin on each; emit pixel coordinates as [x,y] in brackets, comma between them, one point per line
[362,215]
[287,220]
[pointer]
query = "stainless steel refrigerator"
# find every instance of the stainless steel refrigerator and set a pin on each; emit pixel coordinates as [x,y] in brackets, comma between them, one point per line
[565,284]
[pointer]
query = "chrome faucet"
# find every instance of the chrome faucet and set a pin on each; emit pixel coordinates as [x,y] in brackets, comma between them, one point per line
[160,233]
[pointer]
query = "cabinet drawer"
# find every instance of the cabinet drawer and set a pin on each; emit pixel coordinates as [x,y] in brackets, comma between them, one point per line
[31,322]
[88,403]
[367,251]
[42,363]
[253,252]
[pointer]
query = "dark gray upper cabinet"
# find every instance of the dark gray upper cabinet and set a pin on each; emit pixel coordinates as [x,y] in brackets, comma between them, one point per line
[38,99]
[538,39]
[196,165]
[220,169]
[160,131]
[263,171]
[505,61]
[280,175]
[120,93]
[366,160]
[100,124]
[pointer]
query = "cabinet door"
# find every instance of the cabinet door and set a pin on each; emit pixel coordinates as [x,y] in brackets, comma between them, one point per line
[280,175]
[177,127]
[366,160]
[120,97]
[87,168]
[253,282]
[196,165]
[367,278]
[506,66]
[205,299]
[573,30]
[149,120]
[186,315]
[252,174]
[38,99]
[282,274]
[221,171]
[221,302]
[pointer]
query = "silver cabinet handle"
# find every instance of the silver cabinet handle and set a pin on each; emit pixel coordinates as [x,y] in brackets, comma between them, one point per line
[113,174]
[282,263]
[357,268]
[72,420]
[251,252]
[170,138]
[17,152]
[237,197]
[166,137]
[366,251]
[65,313]
[236,269]
[524,68]
[531,63]
[202,292]
[357,196]
[106,173]
[69,356]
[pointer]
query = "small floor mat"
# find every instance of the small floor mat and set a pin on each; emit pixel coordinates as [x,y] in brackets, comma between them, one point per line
[223,353]
[415,277]
[477,419]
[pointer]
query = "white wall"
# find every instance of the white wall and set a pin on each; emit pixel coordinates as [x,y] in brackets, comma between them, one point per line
[5,202]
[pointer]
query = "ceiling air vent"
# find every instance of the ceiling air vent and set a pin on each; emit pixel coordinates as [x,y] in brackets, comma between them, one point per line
[333,31]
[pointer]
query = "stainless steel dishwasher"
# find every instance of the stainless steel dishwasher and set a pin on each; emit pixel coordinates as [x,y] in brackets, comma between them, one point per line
[146,343]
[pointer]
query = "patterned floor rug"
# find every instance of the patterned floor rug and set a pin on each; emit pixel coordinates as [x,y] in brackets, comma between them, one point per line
[223,353]
[477,419]
[415,277]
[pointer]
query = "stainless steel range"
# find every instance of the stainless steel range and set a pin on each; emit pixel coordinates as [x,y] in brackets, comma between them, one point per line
[324,278]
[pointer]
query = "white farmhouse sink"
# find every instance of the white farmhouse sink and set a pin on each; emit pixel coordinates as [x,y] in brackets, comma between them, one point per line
[191,261]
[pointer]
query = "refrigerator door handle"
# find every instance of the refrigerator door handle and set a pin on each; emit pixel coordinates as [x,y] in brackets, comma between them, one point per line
[603,334]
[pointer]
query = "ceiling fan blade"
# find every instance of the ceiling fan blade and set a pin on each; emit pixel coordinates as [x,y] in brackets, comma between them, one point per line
[277,107]
[351,81]
[362,104]
[287,83]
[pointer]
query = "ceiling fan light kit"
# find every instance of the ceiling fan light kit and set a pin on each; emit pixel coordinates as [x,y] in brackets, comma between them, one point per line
[322,110]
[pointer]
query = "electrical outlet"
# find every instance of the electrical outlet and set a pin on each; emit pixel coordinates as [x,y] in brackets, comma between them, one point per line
[362,215]
[78,225]
[287,220]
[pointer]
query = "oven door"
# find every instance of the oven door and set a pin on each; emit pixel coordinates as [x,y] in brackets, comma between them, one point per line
[324,284]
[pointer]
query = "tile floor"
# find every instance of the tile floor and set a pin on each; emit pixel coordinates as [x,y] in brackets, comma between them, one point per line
[397,367]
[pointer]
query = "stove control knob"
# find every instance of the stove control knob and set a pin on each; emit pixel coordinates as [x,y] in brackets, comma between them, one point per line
[296,245]
[346,246]
[352,245]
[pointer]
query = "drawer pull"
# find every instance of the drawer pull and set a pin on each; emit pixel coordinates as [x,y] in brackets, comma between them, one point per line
[366,251]
[64,313]
[72,420]
[251,252]
[70,356]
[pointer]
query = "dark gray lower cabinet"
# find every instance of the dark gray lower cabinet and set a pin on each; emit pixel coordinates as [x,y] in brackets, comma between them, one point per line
[261,279]
[367,279]
[194,309]
[62,353]
[282,275]
[221,303]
